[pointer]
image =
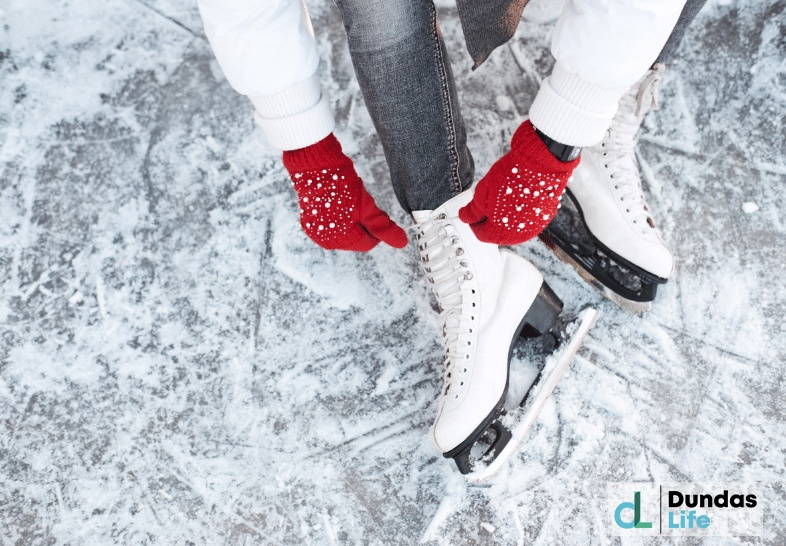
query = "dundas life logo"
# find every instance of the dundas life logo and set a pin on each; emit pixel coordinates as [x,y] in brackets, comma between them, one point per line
[685,509]
[636,522]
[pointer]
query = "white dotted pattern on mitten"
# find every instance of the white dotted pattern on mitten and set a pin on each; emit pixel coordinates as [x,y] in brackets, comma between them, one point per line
[527,201]
[327,206]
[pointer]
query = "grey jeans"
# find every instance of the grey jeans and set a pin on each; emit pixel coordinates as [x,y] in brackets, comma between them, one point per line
[407,83]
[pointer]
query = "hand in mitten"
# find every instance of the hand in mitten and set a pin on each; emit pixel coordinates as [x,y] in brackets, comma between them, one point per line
[520,195]
[336,211]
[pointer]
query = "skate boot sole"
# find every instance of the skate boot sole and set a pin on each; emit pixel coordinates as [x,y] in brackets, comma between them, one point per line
[547,380]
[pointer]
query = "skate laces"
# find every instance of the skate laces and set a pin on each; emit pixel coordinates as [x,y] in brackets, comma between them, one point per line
[618,148]
[441,256]
[648,89]
[634,106]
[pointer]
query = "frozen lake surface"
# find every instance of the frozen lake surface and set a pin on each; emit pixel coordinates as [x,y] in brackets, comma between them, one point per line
[179,364]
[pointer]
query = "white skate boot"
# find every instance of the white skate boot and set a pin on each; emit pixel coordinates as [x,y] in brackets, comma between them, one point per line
[606,229]
[487,297]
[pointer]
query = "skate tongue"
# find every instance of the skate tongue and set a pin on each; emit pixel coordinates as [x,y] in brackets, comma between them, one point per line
[449,207]
[421,216]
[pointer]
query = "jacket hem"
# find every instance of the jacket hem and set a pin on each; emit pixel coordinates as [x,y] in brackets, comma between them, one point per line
[573,111]
[299,130]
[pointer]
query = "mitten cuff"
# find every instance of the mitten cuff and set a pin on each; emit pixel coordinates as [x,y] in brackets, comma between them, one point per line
[537,153]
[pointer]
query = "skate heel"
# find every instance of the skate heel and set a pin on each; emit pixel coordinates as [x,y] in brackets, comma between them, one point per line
[542,314]
[495,435]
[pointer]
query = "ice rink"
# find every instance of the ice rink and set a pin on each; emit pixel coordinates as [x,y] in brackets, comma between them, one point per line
[180,365]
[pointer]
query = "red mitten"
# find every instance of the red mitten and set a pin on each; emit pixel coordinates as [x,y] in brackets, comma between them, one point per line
[336,211]
[520,195]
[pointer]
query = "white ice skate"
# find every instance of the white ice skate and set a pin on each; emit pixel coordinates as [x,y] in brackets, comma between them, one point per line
[605,229]
[487,297]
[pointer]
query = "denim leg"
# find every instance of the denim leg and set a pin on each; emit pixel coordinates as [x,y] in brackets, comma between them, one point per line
[692,7]
[407,83]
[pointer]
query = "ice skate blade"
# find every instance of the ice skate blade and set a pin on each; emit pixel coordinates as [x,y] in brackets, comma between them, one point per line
[525,416]
[629,305]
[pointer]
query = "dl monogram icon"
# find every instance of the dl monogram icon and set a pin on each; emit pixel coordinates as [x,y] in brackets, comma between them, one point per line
[636,523]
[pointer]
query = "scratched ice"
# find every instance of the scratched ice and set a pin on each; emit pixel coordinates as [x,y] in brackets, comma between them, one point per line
[180,365]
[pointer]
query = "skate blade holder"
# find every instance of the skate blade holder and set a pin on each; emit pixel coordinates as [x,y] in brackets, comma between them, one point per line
[482,447]
[636,299]
[620,281]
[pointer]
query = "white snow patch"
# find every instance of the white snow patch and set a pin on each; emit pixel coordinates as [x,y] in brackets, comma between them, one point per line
[383,382]
[749,207]
[504,103]
[454,493]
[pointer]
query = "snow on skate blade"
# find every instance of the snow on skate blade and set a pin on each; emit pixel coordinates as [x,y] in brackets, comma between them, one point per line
[629,305]
[608,293]
[521,419]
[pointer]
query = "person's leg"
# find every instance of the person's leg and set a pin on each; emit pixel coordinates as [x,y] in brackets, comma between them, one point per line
[407,83]
[692,7]
[486,295]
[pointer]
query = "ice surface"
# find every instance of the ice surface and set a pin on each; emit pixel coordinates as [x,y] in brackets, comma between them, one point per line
[179,364]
